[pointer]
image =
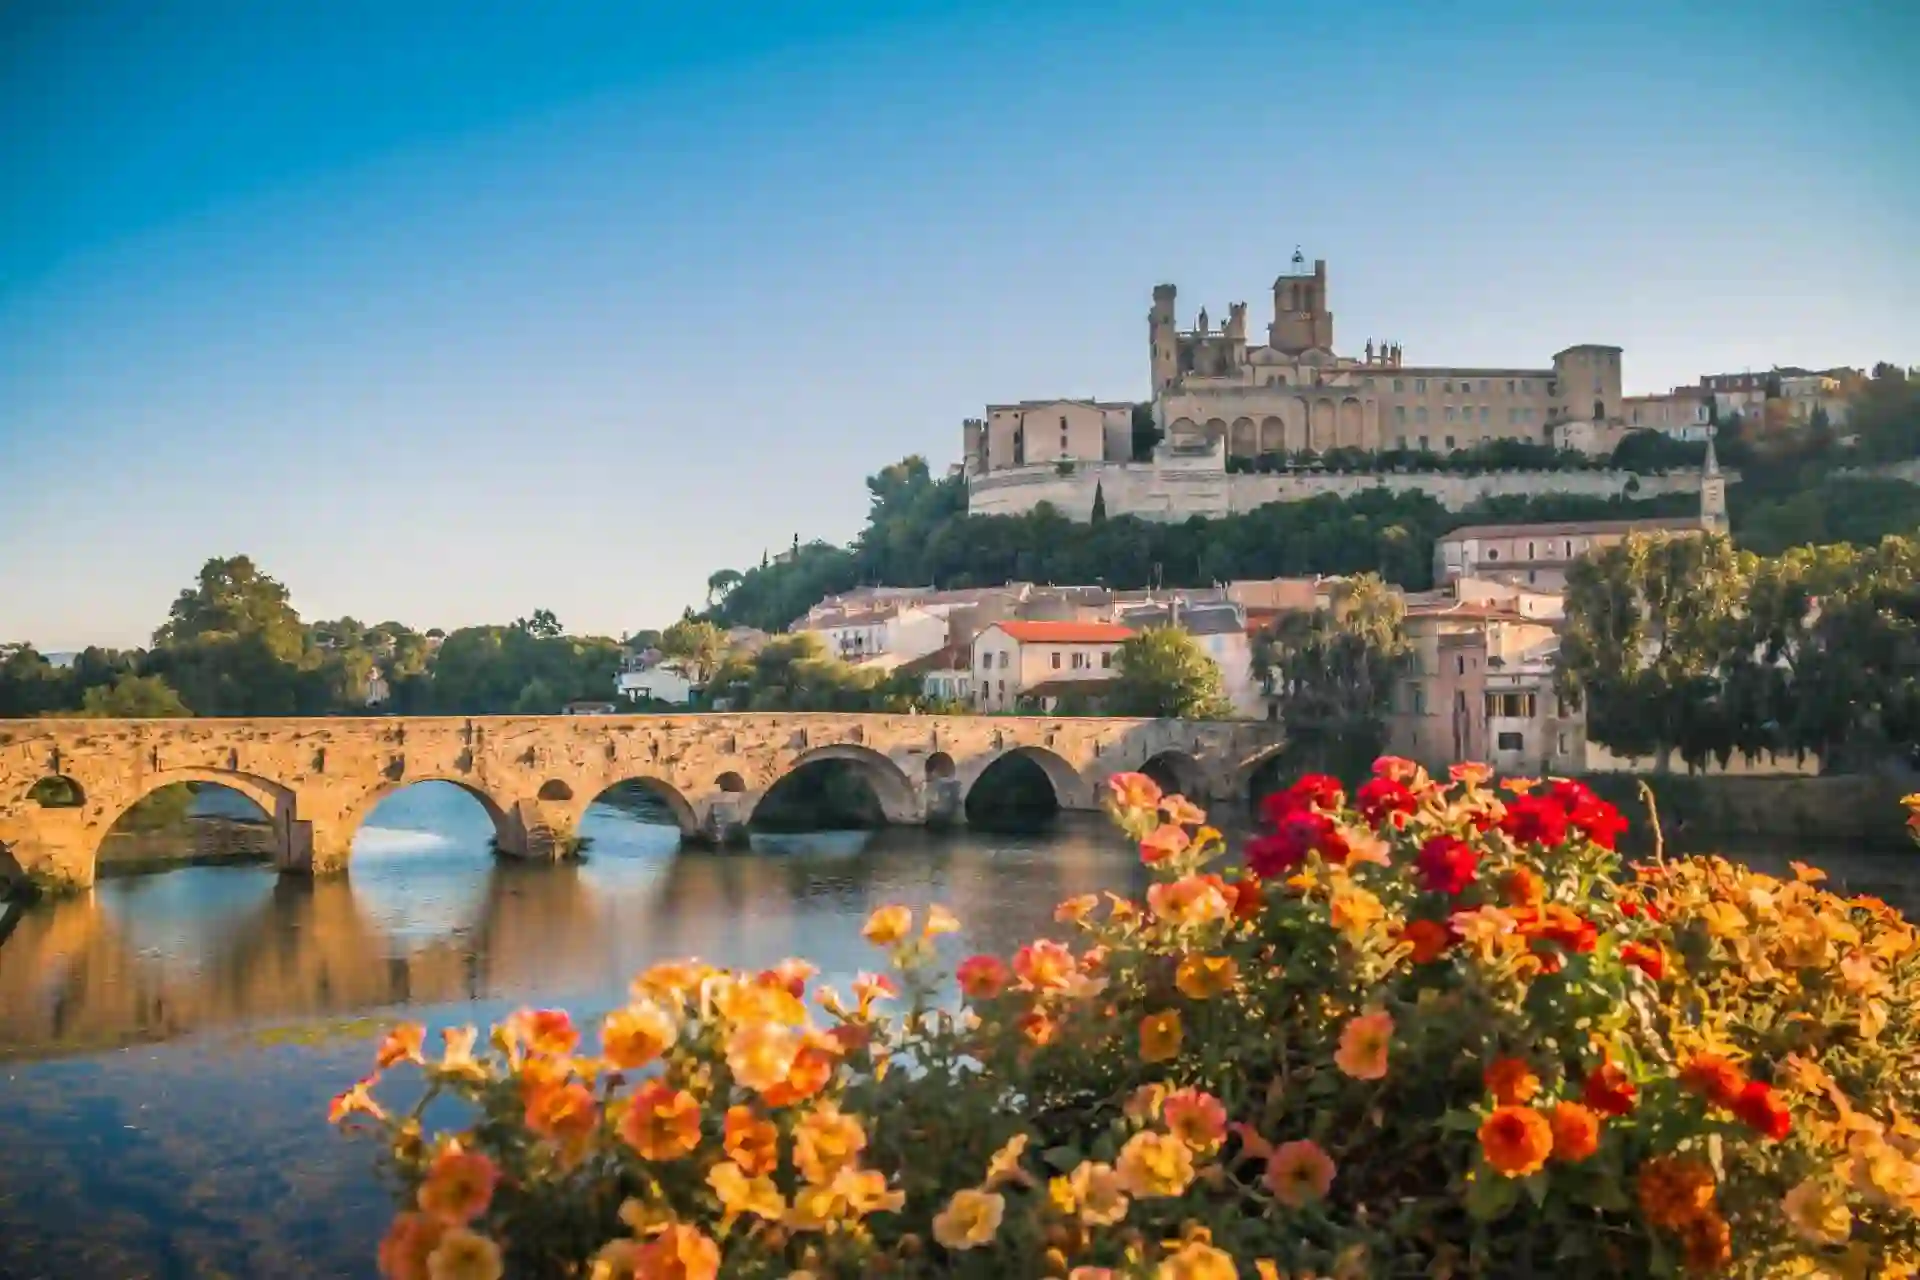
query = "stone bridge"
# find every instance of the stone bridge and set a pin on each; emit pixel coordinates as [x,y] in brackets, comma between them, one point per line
[318,779]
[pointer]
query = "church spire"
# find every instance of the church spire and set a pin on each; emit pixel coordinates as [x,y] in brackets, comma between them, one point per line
[1713,490]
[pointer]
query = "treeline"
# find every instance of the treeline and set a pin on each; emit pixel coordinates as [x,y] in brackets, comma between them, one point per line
[1692,648]
[919,534]
[233,645]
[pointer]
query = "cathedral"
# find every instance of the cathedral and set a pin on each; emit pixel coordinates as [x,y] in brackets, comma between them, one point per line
[1218,390]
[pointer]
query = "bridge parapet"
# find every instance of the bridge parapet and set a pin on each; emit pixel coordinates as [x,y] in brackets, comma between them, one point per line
[319,778]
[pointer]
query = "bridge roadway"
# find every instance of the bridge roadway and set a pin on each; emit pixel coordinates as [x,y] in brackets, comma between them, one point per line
[318,778]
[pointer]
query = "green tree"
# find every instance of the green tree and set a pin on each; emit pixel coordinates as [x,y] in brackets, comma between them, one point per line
[1332,672]
[134,697]
[1099,515]
[1162,672]
[1651,626]
[719,583]
[1146,435]
[232,598]
[542,625]
[696,646]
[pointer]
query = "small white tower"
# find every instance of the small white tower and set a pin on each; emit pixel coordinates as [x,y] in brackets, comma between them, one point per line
[1713,491]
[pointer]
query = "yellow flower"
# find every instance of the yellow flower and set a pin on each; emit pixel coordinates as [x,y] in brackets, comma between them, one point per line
[671,981]
[740,1194]
[745,1002]
[458,1060]
[463,1255]
[1143,1104]
[971,1219]
[1363,1046]
[1160,1036]
[402,1044]
[888,925]
[939,921]
[1204,977]
[825,1142]
[1155,1164]
[1004,1165]
[636,1035]
[1818,1212]
[1098,1196]
[865,1191]
[1197,1260]
[760,1054]
[1076,909]
[1355,911]
[661,1122]
[618,1259]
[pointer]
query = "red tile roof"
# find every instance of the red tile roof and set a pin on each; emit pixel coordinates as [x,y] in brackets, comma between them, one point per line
[1064,632]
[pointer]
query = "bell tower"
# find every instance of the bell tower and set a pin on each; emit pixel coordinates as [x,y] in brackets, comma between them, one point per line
[1165,338]
[1713,491]
[1301,320]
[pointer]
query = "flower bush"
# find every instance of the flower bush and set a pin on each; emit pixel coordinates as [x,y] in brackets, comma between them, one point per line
[1429,1028]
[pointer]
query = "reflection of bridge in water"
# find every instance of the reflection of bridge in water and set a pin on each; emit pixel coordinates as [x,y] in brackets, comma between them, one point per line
[75,977]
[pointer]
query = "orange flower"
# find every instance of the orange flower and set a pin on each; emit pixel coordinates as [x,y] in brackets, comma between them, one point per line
[1522,888]
[564,1112]
[1713,1077]
[1576,1131]
[1154,1164]
[751,1143]
[1608,1091]
[409,1242]
[1133,791]
[1706,1243]
[761,1053]
[1074,910]
[939,921]
[1473,774]
[1204,977]
[1182,810]
[661,1122]
[1163,842]
[1516,1140]
[790,975]
[1037,1028]
[464,1255]
[1160,1036]
[1196,1118]
[1674,1190]
[971,1219]
[679,1252]
[809,1073]
[982,977]
[636,1035]
[1510,1081]
[459,1185]
[1428,938]
[402,1044]
[1299,1173]
[1364,1042]
[825,1142]
[545,1031]
[1195,900]
[1044,965]
[887,926]
[1647,957]
[357,1099]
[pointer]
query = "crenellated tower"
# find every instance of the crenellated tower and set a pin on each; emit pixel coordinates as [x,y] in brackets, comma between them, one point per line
[1164,335]
[1301,320]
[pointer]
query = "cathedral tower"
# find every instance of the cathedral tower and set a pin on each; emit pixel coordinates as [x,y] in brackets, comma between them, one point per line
[1165,338]
[1301,320]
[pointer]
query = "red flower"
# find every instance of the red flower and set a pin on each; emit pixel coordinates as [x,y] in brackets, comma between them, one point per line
[1587,813]
[1298,835]
[1380,797]
[1447,864]
[1647,957]
[1312,791]
[1535,819]
[1608,1090]
[1246,898]
[1714,1078]
[1761,1110]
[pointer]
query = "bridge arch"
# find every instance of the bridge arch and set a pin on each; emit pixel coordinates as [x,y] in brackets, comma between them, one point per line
[57,791]
[1070,790]
[669,796]
[1177,773]
[351,821]
[898,796]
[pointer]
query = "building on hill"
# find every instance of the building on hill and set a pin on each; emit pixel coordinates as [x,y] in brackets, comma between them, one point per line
[1011,659]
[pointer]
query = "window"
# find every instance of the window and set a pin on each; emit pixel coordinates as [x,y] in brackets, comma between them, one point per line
[1420,384]
[1399,442]
[1063,424]
[986,662]
[1509,386]
[1399,384]
[1400,414]
[1529,551]
[1423,444]
[1460,700]
[1419,701]
[1106,661]
[1449,442]
[1492,554]
[1447,413]
[1079,661]
[1459,667]
[1485,415]
[1420,413]
[1003,659]
[1056,659]
[1003,688]
[1512,742]
[1447,387]
[1513,417]
[1553,387]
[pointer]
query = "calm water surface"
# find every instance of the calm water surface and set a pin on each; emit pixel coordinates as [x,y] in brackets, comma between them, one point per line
[168,1045]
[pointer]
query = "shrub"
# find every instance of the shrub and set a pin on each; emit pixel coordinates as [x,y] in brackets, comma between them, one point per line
[1425,1029]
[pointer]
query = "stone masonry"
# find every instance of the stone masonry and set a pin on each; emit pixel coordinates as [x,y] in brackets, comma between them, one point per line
[318,779]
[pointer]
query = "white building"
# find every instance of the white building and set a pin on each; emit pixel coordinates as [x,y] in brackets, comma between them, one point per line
[1012,660]
[899,632]
[660,682]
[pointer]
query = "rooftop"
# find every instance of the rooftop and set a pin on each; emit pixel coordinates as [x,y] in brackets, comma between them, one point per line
[1063,632]
[1555,529]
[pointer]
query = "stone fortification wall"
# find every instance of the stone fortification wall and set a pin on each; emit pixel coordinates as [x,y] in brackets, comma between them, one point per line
[1159,493]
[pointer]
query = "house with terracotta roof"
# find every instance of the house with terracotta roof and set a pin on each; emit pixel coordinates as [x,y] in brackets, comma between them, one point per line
[1013,659]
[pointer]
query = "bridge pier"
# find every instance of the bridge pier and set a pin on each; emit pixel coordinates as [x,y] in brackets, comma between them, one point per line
[54,855]
[945,803]
[538,831]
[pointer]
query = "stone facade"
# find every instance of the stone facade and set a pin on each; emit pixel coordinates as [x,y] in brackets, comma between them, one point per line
[535,775]
[1163,490]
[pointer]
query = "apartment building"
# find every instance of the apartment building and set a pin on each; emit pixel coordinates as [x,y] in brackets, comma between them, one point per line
[1013,660]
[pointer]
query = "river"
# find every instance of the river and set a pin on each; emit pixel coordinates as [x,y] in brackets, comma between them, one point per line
[169,1043]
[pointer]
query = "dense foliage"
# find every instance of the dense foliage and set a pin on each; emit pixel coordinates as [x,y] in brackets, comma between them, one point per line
[1688,647]
[1163,673]
[1425,1029]
[1332,672]
[795,673]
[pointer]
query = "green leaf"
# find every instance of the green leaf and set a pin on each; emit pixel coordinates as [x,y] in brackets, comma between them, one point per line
[1537,1189]
[1491,1197]
[1065,1159]
[1459,1121]
[1606,1195]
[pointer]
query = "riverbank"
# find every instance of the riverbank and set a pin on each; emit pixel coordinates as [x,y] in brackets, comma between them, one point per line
[1698,813]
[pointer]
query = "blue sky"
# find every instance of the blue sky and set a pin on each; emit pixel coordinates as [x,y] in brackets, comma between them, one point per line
[448,311]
